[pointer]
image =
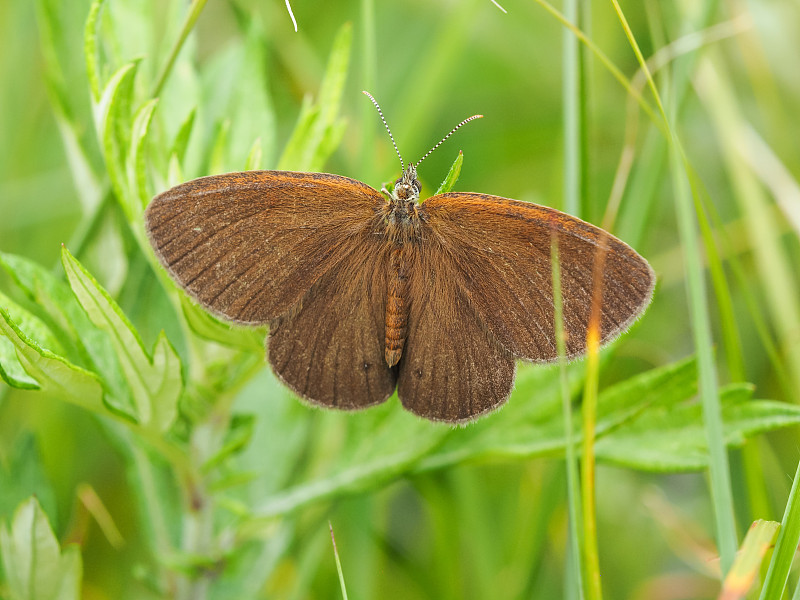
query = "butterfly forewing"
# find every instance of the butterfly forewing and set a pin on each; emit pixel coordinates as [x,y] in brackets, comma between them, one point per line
[330,349]
[452,368]
[501,258]
[249,245]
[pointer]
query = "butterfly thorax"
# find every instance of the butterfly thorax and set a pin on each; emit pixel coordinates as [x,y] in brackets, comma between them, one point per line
[401,215]
[402,221]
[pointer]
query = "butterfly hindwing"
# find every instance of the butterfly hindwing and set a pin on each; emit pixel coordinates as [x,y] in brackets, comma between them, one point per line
[452,368]
[329,349]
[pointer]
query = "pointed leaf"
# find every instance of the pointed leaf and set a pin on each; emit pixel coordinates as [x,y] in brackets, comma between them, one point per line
[137,175]
[112,122]
[54,373]
[90,49]
[672,438]
[209,327]
[254,158]
[155,382]
[452,175]
[319,127]
[11,370]
[35,567]
[182,137]
[66,316]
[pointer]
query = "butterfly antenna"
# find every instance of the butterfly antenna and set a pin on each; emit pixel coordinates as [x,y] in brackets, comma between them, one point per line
[452,131]
[385,124]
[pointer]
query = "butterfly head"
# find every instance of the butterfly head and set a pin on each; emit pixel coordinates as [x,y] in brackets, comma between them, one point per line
[407,187]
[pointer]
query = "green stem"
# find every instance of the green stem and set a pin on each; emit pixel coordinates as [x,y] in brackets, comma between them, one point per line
[719,469]
[610,66]
[573,127]
[191,18]
[573,488]
[591,560]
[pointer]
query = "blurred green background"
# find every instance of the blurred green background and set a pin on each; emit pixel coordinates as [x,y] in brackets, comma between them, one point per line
[233,499]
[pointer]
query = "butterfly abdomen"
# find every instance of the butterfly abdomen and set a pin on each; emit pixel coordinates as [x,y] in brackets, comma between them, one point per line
[397,305]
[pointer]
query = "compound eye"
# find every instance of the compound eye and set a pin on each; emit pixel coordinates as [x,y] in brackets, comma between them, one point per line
[417,186]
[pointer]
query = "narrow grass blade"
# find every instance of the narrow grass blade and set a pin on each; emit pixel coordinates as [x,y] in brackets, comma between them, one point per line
[573,486]
[338,563]
[786,546]
[191,18]
[746,567]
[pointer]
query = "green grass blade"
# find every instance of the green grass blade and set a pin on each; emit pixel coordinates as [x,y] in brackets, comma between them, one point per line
[746,567]
[573,486]
[191,18]
[785,547]
[721,493]
[338,563]
[574,128]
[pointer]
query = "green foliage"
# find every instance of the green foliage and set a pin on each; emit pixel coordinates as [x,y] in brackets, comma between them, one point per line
[222,482]
[35,566]
[452,175]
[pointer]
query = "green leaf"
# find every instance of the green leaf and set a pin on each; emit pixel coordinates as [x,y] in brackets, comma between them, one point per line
[649,422]
[136,169]
[663,386]
[112,121]
[23,473]
[35,567]
[11,370]
[319,129]
[181,141]
[155,382]
[54,373]
[217,163]
[254,158]
[452,175]
[376,449]
[671,437]
[209,327]
[91,347]
[90,49]
[237,437]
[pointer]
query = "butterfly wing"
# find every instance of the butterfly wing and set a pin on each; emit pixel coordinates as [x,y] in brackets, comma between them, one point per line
[330,349]
[249,245]
[500,250]
[452,368]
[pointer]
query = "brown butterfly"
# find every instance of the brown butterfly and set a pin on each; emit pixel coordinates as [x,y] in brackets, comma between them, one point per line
[364,293]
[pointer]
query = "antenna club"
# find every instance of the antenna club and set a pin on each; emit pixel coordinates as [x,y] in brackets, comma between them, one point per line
[452,131]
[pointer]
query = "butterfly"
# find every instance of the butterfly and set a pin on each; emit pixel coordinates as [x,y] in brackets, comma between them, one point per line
[366,292]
